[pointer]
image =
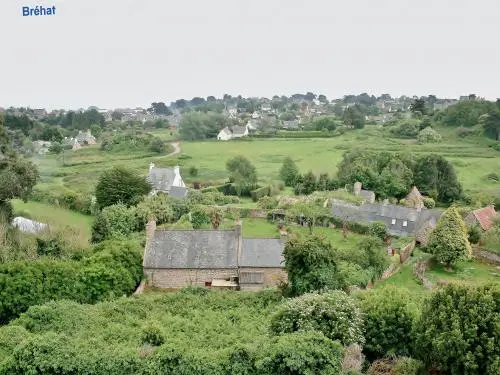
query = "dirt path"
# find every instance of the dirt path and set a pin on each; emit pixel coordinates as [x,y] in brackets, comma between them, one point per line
[177,149]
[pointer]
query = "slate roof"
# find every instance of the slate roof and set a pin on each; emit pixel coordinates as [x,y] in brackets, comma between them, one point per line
[226,131]
[239,130]
[485,216]
[178,192]
[367,195]
[386,213]
[262,252]
[183,249]
[161,178]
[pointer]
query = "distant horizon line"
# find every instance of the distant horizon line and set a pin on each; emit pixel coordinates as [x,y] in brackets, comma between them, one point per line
[170,102]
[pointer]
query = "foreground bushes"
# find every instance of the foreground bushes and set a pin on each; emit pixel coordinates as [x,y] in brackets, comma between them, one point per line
[114,270]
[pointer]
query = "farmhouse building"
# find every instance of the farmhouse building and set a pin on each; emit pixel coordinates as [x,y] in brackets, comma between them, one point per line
[225,134]
[212,258]
[399,220]
[482,217]
[237,132]
[85,138]
[167,181]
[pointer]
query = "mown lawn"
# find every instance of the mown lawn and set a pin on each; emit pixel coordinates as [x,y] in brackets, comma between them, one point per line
[56,217]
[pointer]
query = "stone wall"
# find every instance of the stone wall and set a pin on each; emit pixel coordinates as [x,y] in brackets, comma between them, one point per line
[406,252]
[272,277]
[486,256]
[178,278]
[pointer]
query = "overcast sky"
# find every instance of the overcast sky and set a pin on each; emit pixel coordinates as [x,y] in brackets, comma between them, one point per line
[123,53]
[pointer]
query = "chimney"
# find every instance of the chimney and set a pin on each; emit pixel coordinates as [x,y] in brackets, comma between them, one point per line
[357,188]
[239,238]
[151,165]
[150,230]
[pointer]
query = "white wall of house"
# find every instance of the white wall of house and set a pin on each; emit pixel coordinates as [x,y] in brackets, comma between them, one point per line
[224,136]
[177,178]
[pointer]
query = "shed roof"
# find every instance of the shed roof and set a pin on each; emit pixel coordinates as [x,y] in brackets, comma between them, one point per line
[192,249]
[262,252]
[485,216]
[239,129]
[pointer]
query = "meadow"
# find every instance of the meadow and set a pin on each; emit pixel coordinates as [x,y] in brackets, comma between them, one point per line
[80,169]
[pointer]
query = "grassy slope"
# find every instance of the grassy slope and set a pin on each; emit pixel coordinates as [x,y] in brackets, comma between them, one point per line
[54,216]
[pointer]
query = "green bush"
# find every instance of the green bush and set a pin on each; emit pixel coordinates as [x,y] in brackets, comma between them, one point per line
[335,314]
[408,366]
[114,270]
[428,135]
[158,207]
[302,353]
[267,203]
[458,330]
[199,217]
[152,335]
[388,322]
[260,192]
[114,221]
[429,203]
[378,229]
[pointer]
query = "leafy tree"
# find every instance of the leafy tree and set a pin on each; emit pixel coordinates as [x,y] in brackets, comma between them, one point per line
[324,122]
[193,171]
[310,264]
[199,217]
[306,184]
[158,145]
[56,148]
[242,172]
[116,116]
[289,172]
[436,177]
[418,106]
[159,109]
[395,180]
[120,185]
[159,207]
[51,134]
[22,123]
[474,234]
[302,353]
[466,113]
[449,240]
[199,125]
[491,125]
[389,316]
[354,116]
[17,176]
[428,135]
[95,130]
[458,330]
[335,314]
[310,212]
[114,221]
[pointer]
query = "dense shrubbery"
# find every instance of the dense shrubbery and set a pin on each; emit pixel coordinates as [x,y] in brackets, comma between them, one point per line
[131,140]
[260,193]
[388,322]
[428,135]
[114,221]
[458,330]
[334,314]
[114,270]
[83,203]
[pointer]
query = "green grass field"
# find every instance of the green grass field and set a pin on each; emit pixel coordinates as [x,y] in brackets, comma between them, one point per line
[56,217]
[472,158]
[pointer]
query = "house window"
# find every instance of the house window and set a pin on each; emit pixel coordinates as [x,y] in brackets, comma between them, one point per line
[405,223]
[393,222]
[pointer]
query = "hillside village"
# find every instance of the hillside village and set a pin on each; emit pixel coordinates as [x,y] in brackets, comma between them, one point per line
[237,220]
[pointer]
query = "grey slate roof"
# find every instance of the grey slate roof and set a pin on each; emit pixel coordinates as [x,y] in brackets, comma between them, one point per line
[192,249]
[161,178]
[239,130]
[262,252]
[367,195]
[178,192]
[414,219]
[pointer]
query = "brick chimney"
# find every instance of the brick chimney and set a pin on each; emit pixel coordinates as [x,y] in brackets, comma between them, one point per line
[357,188]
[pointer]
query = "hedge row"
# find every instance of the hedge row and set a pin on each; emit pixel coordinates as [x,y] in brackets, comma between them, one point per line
[67,199]
[113,270]
[296,134]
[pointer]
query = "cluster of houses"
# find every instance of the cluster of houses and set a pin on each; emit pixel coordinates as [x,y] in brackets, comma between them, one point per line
[227,259]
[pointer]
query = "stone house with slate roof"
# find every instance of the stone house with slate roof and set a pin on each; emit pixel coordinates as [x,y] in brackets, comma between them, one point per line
[211,258]
[167,181]
[399,220]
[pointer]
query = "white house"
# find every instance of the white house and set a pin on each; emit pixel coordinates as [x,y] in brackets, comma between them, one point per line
[240,131]
[225,134]
[163,179]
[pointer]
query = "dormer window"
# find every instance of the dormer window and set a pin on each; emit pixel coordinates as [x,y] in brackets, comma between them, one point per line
[393,222]
[405,223]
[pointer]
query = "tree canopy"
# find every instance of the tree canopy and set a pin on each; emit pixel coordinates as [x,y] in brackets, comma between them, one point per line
[242,172]
[120,185]
[449,240]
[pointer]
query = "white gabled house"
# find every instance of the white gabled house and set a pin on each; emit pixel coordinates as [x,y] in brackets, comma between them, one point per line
[225,134]
[166,180]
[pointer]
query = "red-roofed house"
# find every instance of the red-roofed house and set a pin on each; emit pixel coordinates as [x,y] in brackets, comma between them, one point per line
[483,217]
